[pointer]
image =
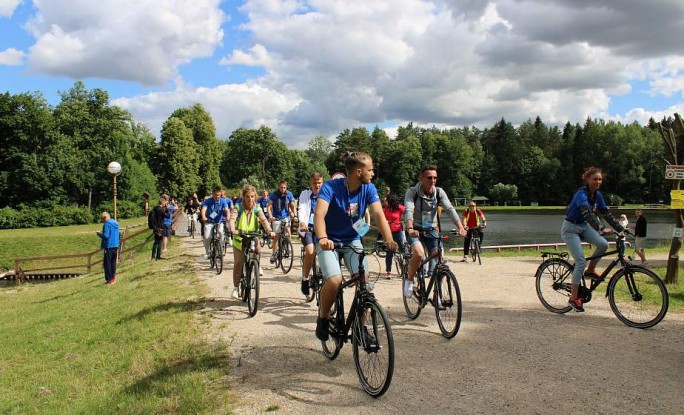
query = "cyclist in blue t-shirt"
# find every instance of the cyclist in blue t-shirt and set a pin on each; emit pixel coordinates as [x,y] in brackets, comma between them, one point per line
[215,211]
[581,224]
[280,208]
[305,213]
[339,218]
[262,202]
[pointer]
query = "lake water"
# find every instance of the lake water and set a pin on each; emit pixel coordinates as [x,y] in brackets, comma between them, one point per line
[543,226]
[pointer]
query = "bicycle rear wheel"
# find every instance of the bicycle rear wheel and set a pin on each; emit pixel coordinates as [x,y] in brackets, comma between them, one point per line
[447,302]
[638,297]
[552,280]
[286,255]
[412,304]
[212,257]
[373,349]
[332,347]
[252,287]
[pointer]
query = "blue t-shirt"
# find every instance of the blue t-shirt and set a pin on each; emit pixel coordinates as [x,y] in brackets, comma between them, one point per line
[281,203]
[263,203]
[110,234]
[217,209]
[169,220]
[581,198]
[345,208]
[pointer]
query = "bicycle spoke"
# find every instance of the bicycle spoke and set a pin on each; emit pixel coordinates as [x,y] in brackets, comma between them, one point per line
[447,302]
[373,348]
[552,282]
[638,297]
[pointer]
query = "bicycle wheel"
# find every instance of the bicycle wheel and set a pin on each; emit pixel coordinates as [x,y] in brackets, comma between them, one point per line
[552,281]
[375,267]
[286,255]
[212,257]
[638,297]
[475,250]
[332,347]
[252,287]
[218,254]
[447,301]
[192,229]
[373,349]
[411,305]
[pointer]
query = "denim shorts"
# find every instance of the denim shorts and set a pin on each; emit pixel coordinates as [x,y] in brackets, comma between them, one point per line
[430,244]
[330,263]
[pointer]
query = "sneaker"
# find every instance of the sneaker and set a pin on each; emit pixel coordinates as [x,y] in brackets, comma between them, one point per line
[273,259]
[111,282]
[465,258]
[322,329]
[261,272]
[576,305]
[388,275]
[408,289]
[644,262]
[205,256]
[235,294]
[305,287]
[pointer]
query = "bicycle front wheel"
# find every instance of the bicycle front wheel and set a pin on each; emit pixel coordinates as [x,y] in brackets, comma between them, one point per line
[553,280]
[286,255]
[192,229]
[252,287]
[638,297]
[218,255]
[412,304]
[373,349]
[212,254]
[476,251]
[447,302]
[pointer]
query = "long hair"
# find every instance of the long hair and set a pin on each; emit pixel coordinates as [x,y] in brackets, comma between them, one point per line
[392,201]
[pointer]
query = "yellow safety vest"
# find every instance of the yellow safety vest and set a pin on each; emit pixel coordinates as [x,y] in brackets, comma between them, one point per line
[245,223]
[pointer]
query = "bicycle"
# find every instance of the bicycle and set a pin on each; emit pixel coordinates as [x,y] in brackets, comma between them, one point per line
[285,251]
[400,258]
[475,245]
[249,280]
[446,295]
[215,249]
[191,227]
[636,294]
[315,280]
[367,326]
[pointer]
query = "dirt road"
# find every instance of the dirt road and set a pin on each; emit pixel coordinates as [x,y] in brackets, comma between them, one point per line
[510,356]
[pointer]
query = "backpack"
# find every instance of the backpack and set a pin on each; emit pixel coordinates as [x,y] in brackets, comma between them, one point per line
[150,219]
[438,196]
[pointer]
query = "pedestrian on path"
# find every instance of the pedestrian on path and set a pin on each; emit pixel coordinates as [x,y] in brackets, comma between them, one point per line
[110,246]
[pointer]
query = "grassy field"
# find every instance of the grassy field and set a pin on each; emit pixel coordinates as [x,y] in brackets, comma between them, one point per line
[77,346]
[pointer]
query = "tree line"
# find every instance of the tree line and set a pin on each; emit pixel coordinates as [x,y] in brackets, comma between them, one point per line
[56,156]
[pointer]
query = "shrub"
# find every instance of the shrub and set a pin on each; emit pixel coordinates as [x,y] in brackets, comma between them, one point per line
[124,209]
[32,216]
[9,218]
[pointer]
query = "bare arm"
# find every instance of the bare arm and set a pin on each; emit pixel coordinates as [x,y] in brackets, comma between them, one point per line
[319,225]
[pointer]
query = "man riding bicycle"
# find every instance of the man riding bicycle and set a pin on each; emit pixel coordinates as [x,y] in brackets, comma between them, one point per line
[339,218]
[474,221]
[280,208]
[215,211]
[421,203]
[305,214]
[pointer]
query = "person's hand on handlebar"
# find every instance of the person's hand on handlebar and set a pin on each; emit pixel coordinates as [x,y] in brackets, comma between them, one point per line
[391,245]
[326,244]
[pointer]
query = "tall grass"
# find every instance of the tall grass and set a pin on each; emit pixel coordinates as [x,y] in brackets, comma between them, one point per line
[79,347]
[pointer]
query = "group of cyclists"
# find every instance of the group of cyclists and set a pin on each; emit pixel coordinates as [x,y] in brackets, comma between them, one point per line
[333,214]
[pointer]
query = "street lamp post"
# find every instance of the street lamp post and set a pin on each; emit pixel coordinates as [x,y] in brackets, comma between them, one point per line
[114,169]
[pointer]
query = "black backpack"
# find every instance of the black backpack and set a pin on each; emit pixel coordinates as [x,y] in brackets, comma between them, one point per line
[150,219]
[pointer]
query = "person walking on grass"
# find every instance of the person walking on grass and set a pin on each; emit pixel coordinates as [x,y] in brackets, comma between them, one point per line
[640,236]
[110,246]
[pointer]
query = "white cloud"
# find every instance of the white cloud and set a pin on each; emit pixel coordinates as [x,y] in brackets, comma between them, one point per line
[7,7]
[257,56]
[642,115]
[232,106]
[11,57]
[140,41]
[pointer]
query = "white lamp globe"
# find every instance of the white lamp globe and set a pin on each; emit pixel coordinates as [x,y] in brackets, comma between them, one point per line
[114,168]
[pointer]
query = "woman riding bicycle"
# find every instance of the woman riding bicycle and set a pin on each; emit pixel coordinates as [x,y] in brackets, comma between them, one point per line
[246,218]
[581,224]
[394,211]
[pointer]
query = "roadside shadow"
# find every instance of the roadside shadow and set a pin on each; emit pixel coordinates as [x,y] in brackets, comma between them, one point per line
[182,306]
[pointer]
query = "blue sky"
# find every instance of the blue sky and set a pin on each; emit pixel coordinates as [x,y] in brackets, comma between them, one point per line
[308,68]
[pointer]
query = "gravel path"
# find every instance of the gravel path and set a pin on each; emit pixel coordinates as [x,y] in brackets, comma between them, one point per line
[510,355]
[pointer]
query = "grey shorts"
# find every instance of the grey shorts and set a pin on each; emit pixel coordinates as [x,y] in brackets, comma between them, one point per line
[278,223]
[330,263]
[639,243]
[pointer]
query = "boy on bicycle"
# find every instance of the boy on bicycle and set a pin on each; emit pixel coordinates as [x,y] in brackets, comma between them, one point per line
[339,218]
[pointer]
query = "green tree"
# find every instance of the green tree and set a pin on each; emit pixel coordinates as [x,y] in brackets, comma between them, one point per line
[318,149]
[177,159]
[504,193]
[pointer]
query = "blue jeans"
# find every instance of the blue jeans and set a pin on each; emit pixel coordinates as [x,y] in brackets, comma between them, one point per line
[573,234]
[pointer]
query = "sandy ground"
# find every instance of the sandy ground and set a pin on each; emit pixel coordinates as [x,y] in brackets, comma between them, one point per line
[511,355]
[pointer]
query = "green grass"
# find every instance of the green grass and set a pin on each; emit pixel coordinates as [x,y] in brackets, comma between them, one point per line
[58,240]
[76,346]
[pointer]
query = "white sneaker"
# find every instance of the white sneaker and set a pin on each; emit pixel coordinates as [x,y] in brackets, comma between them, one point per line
[465,258]
[408,289]
[235,294]
[261,272]
[205,256]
